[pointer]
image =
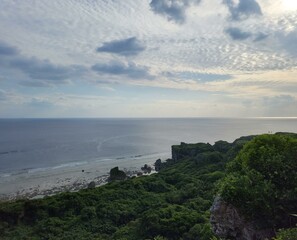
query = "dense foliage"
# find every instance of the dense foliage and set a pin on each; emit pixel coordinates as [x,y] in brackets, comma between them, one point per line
[262,181]
[287,234]
[172,204]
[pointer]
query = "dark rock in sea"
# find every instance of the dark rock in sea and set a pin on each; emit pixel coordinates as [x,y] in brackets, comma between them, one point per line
[158,165]
[139,174]
[228,223]
[82,170]
[146,168]
[116,174]
[92,184]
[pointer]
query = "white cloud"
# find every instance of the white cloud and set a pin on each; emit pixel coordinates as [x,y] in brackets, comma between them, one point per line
[67,34]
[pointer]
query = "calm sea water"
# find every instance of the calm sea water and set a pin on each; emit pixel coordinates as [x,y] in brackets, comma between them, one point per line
[35,144]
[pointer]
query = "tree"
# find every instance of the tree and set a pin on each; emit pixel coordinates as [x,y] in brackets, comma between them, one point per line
[262,180]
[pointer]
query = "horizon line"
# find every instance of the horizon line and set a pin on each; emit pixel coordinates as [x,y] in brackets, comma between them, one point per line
[56,118]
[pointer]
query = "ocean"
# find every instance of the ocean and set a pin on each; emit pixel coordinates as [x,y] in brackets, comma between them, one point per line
[33,145]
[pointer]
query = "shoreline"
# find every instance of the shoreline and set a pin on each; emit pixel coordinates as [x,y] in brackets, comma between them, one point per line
[37,192]
[39,184]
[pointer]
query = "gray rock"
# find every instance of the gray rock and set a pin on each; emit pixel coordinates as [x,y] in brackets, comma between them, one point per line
[92,184]
[116,174]
[146,168]
[227,223]
[158,165]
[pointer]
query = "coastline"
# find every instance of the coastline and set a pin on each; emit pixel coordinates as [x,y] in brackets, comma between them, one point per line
[38,184]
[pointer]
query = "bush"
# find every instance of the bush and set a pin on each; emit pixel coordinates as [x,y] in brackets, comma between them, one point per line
[287,234]
[262,180]
[88,213]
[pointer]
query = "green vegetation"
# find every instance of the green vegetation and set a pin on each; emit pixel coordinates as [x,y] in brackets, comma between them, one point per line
[172,204]
[287,234]
[262,181]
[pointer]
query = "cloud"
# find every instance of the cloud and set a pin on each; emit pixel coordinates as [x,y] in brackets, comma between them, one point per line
[3,95]
[119,68]
[281,105]
[38,102]
[44,69]
[35,68]
[280,100]
[173,10]
[289,41]
[240,35]
[260,36]
[8,96]
[201,77]
[7,50]
[36,84]
[237,34]
[125,47]
[243,10]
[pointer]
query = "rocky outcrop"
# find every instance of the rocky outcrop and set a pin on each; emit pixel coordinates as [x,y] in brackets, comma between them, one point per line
[146,169]
[183,150]
[92,184]
[227,223]
[158,165]
[116,174]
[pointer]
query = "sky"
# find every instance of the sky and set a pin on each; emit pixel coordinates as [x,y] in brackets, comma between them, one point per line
[148,58]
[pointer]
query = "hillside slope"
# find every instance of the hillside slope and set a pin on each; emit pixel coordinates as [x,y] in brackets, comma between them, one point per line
[172,204]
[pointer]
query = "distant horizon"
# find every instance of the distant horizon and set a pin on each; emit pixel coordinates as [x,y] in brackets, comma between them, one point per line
[8,118]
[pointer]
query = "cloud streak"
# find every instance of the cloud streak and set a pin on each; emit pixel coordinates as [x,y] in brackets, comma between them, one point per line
[125,47]
[7,50]
[118,68]
[3,95]
[237,34]
[197,76]
[37,69]
[260,36]
[44,69]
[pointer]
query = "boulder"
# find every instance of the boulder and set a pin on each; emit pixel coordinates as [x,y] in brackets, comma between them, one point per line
[92,184]
[228,223]
[146,168]
[158,165]
[116,174]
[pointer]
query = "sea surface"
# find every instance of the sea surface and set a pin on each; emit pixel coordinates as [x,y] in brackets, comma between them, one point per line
[32,145]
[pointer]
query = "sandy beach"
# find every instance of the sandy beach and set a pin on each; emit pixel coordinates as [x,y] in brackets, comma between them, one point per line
[39,183]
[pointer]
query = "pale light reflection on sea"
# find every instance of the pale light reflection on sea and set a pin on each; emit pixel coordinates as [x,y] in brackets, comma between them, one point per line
[32,145]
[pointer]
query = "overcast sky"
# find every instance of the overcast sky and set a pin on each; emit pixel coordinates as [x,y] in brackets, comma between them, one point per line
[148,58]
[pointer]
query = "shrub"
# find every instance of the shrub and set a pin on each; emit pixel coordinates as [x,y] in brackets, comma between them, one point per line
[287,234]
[262,180]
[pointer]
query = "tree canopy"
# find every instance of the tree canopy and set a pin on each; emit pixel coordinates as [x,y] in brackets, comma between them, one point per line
[262,181]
